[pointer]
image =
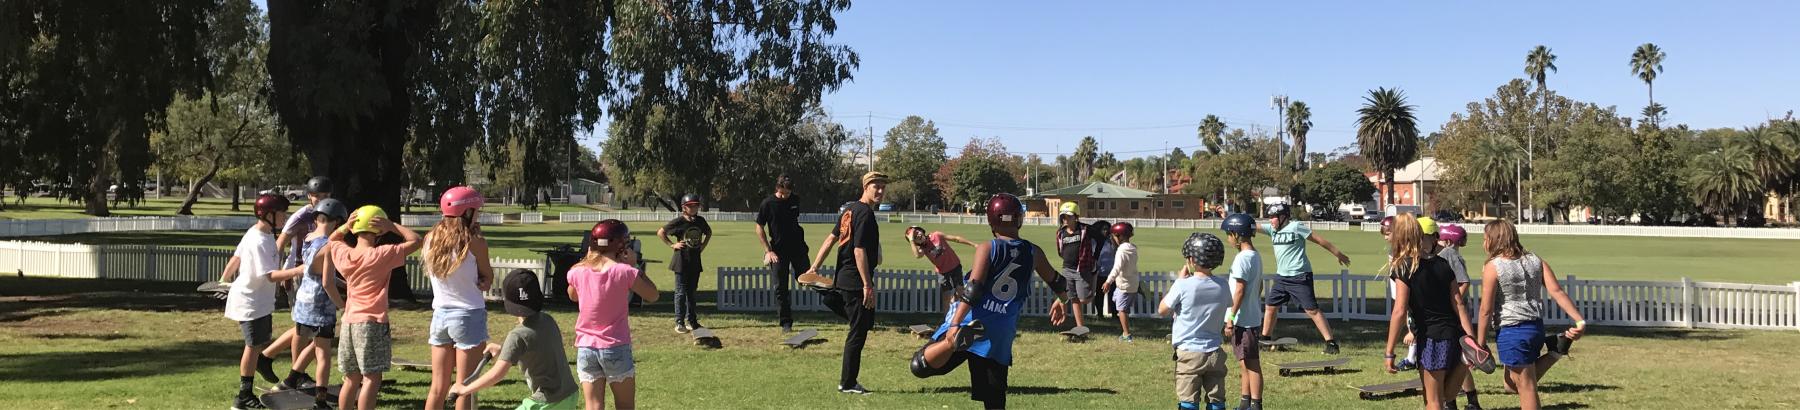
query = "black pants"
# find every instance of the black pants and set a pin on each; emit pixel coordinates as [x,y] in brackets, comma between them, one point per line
[687,286]
[987,378]
[849,305]
[789,264]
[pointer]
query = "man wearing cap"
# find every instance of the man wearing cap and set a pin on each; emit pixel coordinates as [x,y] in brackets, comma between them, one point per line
[686,261]
[784,243]
[1294,281]
[536,346]
[852,295]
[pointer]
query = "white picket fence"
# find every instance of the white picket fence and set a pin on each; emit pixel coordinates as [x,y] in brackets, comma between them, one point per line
[177,263]
[1346,296]
[50,227]
[432,219]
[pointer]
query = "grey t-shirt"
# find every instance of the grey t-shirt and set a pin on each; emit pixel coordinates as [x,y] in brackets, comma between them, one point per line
[1454,256]
[536,347]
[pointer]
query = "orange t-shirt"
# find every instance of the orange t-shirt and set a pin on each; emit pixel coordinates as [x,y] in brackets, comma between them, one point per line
[366,274]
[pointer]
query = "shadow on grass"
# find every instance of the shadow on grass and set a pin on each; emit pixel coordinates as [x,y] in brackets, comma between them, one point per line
[89,366]
[69,336]
[1312,372]
[23,299]
[1573,387]
[1664,334]
[1025,390]
[1553,406]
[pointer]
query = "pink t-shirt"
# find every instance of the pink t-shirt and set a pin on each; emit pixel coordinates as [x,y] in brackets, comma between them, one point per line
[366,274]
[602,296]
[942,256]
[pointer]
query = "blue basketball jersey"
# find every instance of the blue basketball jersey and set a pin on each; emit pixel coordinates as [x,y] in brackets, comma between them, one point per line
[1010,264]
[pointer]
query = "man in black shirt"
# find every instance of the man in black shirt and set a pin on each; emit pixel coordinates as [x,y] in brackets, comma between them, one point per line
[692,234]
[784,244]
[852,295]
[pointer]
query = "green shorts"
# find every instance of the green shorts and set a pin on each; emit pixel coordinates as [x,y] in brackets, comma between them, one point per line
[565,404]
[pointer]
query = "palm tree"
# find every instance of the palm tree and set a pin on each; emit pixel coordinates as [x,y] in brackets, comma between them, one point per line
[1388,133]
[1538,64]
[1724,180]
[1211,130]
[1646,63]
[1492,165]
[1299,122]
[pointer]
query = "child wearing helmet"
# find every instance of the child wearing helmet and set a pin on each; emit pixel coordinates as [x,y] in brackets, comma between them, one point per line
[935,247]
[365,348]
[1123,279]
[1425,292]
[1197,301]
[456,262]
[1243,329]
[1079,252]
[983,322]
[251,300]
[1294,281]
[600,285]
[692,234]
[316,300]
[291,243]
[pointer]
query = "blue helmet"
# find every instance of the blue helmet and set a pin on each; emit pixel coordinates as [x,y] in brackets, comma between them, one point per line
[1240,224]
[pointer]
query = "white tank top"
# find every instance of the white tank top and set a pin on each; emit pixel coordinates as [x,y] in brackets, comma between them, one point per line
[458,291]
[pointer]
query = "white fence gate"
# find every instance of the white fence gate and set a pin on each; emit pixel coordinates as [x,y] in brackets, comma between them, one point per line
[50,227]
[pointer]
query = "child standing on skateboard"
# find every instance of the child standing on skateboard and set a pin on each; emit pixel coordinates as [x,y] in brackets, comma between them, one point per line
[1242,329]
[692,233]
[536,346]
[1426,292]
[317,300]
[1122,282]
[936,247]
[366,349]
[1513,284]
[251,299]
[1295,276]
[600,285]
[1198,301]
[456,262]
[980,328]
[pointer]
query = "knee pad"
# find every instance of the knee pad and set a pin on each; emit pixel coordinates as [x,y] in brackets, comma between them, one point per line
[922,370]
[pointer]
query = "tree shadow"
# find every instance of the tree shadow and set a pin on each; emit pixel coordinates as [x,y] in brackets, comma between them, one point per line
[1573,387]
[1666,334]
[88,366]
[1025,390]
[1571,405]
[68,336]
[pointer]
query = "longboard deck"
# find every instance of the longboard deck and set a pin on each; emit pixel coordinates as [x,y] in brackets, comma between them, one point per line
[1076,335]
[409,363]
[801,339]
[922,331]
[706,338]
[212,287]
[1287,369]
[1371,391]
[1280,344]
[297,399]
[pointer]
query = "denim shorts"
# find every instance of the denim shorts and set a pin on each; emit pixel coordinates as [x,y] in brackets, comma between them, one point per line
[1519,344]
[615,364]
[466,328]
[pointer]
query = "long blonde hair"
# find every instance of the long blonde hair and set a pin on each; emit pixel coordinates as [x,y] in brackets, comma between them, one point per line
[1406,250]
[447,246]
[1502,240]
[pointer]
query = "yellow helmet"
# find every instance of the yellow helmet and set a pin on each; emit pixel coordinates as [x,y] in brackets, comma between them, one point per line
[1069,208]
[360,220]
[1427,225]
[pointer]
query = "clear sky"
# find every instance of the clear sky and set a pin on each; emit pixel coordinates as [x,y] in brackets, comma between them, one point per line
[1137,73]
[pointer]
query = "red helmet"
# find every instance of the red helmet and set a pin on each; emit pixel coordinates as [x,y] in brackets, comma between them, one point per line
[1122,228]
[269,203]
[609,235]
[460,199]
[1005,210]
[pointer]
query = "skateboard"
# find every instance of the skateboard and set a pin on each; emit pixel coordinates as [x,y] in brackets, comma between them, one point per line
[1076,335]
[1288,369]
[1282,344]
[297,399]
[704,337]
[799,340]
[215,289]
[1372,391]
[1477,355]
[405,363]
[922,331]
[450,400]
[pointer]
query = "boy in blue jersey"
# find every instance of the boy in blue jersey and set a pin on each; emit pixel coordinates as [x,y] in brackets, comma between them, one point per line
[981,324]
[1198,301]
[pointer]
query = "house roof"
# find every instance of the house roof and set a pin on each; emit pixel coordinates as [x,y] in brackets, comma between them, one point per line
[1099,190]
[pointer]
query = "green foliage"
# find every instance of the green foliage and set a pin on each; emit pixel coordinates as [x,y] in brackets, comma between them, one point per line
[1539,63]
[1211,130]
[1299,122]
[912,156]
[1725,181]
[542,70]
[1646,64]
[1388,132]
[1231,178]
[1334,183]
[976,178]
[1086,154]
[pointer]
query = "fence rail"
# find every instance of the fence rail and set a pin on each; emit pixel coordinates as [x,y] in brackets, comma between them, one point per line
[432,219]
[50,227]
[1346,296]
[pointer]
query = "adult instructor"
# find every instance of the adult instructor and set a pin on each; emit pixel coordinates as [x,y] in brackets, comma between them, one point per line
[784,244]
[852,291]
[1294,281]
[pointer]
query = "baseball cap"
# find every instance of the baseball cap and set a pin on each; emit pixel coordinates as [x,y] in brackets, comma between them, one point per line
[873,177]
[523,295]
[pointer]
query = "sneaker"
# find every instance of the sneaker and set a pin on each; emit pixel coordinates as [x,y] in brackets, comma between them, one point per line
[265,366]
[814,280]
[247,401]
[1331,347]
[681,328]
[787,328]
[1472,406]
[856,389]
[321,405]
[970,333]
[1125,338]
[1562,344]
[1406,365]
[306,381]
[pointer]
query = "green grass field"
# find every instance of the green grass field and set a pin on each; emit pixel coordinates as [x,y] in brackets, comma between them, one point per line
[75,344]
[50,208]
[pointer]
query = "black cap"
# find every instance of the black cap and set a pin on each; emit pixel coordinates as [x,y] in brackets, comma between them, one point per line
[523,295]
[318,185]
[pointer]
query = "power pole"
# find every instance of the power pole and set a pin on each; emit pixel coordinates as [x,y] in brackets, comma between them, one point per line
[871,124]
[1279,103]
[1165,167]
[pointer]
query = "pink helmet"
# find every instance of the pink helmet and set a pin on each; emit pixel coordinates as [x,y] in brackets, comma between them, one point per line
[460,199]
[1453,234]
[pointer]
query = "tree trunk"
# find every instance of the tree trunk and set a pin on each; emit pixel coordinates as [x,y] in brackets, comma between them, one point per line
[1388,180]
[237,194]
[96,195]
[193,194]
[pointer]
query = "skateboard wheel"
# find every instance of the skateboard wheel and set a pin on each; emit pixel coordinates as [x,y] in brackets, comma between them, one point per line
[1365,396]
[1286,373]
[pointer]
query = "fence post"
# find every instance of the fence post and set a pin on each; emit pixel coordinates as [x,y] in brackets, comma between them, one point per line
[1796,311]
[1337,293]
[1687,302]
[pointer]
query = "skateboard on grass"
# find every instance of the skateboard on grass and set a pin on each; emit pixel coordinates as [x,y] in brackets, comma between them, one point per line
[704,337]
[922,331]
[1076,335]
[450,401]
[411,364]
[801,339]
[1288,369]
[298,399]
[1370,392]
[1281,344]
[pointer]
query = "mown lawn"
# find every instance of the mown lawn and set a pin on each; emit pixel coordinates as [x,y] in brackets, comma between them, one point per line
[83,344]
[51,208]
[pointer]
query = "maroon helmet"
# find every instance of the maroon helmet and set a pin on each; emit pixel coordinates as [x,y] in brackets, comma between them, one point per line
[1122,228]
[1005,210]
[270,203]
[609,235]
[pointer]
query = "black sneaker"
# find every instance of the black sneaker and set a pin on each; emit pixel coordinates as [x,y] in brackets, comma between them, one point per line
[1331,347]
[1562,344]
[307,382]
[971,333]
[321,405]
[247,401]
[855,389]
[265,366]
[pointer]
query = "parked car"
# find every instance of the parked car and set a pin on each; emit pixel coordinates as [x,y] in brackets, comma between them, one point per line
[1372,217]
[1446,216]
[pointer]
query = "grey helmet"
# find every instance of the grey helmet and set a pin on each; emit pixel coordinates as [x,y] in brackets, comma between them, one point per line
[1205,249]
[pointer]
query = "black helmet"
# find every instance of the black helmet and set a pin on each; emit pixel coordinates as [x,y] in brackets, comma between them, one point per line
[1241,224]
[333,208]
[318,185]
[1205,249]
[1280,210]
